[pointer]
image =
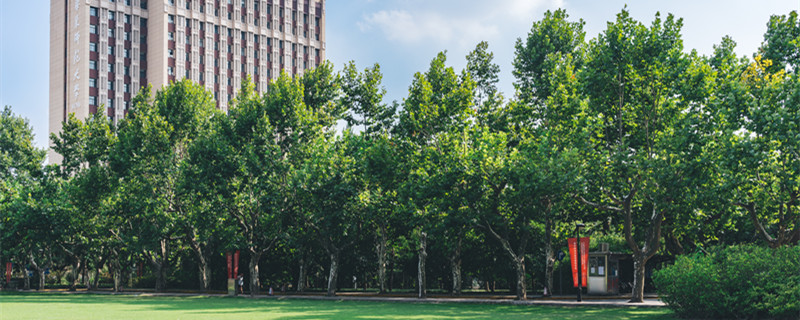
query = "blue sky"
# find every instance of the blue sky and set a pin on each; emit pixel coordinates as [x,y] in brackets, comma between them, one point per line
[402,36]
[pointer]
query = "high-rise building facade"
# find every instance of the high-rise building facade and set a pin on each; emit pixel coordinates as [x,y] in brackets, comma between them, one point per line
[103,51]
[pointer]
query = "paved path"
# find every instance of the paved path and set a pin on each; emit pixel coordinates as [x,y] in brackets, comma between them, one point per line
[564,301]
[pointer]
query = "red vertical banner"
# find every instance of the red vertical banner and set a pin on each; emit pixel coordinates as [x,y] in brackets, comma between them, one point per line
[9,266]
[228,256]
[236,264]
[573,257]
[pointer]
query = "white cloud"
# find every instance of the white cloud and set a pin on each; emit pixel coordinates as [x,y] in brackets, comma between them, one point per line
[452,22]
[408,28]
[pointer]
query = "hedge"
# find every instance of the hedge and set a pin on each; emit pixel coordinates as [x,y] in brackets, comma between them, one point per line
[743,281]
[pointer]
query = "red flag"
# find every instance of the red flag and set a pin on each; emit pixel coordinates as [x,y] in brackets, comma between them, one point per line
[573,257]
[236,264]
[228,256]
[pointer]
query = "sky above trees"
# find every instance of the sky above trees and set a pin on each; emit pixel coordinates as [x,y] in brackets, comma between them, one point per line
[402,36]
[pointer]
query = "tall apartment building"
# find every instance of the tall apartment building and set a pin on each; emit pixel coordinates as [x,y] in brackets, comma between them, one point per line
[103,51]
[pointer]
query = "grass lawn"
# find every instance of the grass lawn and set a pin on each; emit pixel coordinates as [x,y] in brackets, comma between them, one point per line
[85,306]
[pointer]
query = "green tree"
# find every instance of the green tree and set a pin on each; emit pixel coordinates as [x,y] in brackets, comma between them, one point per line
[782,42]
[153,146]
[439,101]
[641,161]
[330,190]
[362,98]
[554,34]
[760,151]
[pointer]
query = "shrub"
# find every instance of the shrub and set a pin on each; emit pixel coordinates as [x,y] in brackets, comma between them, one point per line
[744,281]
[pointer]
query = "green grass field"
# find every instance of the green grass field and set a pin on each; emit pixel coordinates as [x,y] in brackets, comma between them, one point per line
[84,306]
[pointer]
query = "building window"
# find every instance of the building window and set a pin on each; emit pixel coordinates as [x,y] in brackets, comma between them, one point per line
[127,53]
[171,36]
[93,11]
[127,36]
[92,83]
[93,29]
[111,32]
[92,65]
[128,17]
[171,19]
[126,88]
[127,71]
[92,100]
[170,71]
[172,2]
[111,67]
[111,50]
[171,53]
[110,15]
[92,47]
[128,3]
[110,85]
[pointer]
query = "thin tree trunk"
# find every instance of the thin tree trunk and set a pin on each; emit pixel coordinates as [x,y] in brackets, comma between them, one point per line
[522,293]
[76,272]
[254,281]
[380,249]
[40,271]
[301,279]
[27,285]
[85,275]
[334,273]
[117,273]
[204,271]
[550,260]
[423,255]
[455,268]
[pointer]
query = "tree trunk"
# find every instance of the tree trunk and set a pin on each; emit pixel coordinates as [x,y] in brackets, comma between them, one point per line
[117,273]
[159,264]
[40,271]
[160,272]
[76,272]
[522,293]
[423,255]
[27,279]
[639,263]
[455,268]
[204,271]
[85,275]
[301,279]
[255,284]
[380,249]
[549,263]
[334,273]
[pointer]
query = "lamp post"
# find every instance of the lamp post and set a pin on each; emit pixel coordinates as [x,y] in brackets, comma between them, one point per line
[580,269]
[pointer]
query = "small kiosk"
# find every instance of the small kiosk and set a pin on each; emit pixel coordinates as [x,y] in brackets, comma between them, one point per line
[604,271]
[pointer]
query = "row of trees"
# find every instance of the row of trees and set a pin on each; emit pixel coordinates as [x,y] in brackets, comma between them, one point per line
[628,132]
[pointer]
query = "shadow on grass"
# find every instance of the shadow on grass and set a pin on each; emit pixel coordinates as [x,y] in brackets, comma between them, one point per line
[37,305]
